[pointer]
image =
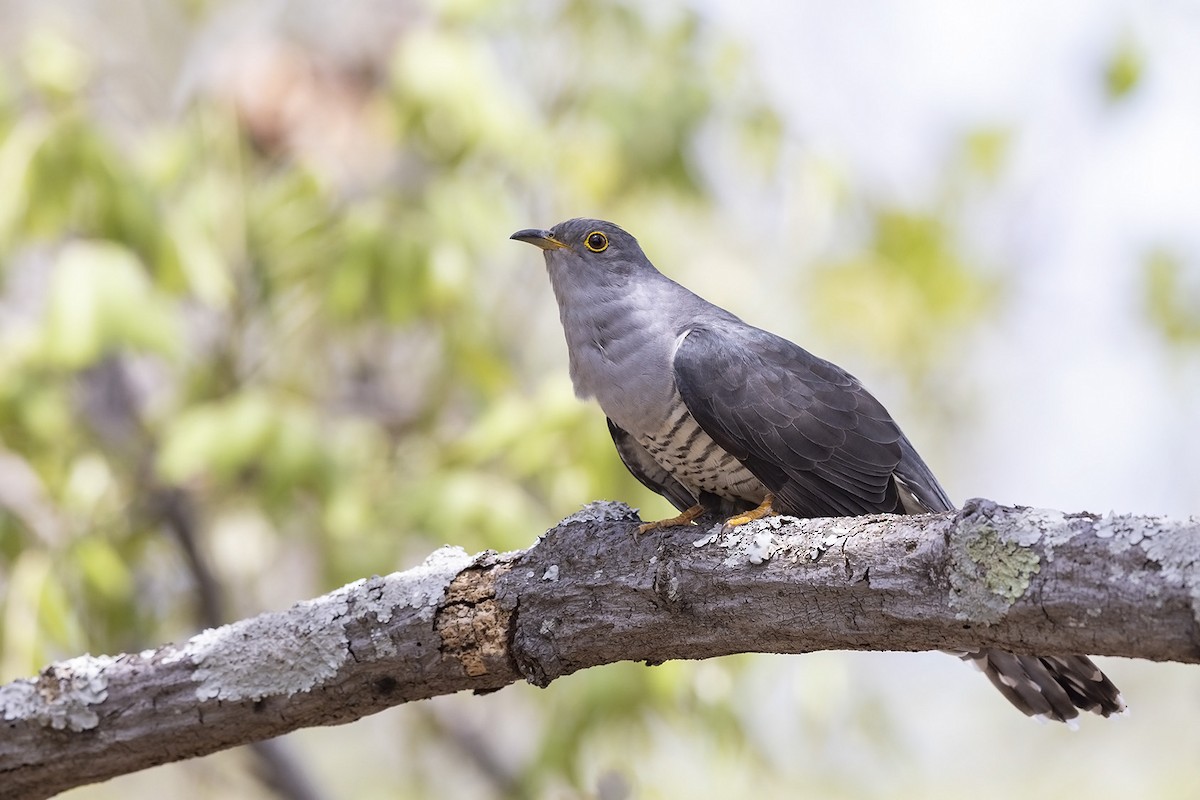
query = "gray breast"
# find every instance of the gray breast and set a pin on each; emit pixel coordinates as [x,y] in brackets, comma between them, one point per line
[682,448]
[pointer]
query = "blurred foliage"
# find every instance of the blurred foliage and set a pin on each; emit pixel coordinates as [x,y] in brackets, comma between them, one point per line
[910,291]
[1171,298]
[277,341]
[1123,72]
[904,294]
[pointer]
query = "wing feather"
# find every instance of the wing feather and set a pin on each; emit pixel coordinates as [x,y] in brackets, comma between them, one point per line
[804,427]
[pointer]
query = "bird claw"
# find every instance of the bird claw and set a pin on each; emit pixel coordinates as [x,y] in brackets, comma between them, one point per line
[684,518]
[763,509]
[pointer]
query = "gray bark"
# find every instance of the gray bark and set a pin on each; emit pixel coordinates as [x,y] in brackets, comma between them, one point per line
[589,593]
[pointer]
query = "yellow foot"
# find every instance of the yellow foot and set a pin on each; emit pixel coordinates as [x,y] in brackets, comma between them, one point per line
[763,510]
[674,522]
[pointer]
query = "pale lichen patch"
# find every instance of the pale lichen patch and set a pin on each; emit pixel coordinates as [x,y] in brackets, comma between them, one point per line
[602,511]
[421,587]
[1175,546]
[62,697]
[281,653]
[287,652]
[988,571]
[760,547]
[1047,528]
[751,543]
[1121,530]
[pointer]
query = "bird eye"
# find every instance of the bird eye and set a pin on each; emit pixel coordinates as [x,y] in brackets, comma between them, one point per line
[596,241]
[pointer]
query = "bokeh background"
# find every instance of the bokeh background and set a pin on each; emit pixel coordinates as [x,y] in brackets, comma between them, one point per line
[262,333]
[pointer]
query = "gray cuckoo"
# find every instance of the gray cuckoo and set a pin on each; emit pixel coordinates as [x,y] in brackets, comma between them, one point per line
[715,414]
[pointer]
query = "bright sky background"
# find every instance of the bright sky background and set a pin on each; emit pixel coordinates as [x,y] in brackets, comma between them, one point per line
[1088,413]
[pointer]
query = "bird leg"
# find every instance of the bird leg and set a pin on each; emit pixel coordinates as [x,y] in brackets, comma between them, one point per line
[763,509]
[684,518]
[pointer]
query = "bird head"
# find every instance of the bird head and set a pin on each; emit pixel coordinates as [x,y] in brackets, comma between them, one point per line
[587,251]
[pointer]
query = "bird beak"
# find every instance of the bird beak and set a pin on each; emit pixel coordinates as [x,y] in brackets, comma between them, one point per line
[537,238]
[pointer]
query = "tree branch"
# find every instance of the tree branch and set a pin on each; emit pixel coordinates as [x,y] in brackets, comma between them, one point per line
[590,593]
[113,408]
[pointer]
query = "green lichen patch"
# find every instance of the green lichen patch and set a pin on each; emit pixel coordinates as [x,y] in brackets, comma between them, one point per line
[1007,566]
[988,572]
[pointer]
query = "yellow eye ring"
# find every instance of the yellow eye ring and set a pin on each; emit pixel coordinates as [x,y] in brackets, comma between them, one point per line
[596,241]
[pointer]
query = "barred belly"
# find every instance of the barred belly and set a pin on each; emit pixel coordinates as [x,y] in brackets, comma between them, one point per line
[691,456]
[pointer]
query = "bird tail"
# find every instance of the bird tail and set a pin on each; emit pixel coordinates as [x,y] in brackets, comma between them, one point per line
[1049,687]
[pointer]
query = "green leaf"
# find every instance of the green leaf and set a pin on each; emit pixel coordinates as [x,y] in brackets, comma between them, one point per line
[54,64]
[255,434]
[17,151]
[1123,73]
[101,299]
[103,569]
[1171,298]
[224,437]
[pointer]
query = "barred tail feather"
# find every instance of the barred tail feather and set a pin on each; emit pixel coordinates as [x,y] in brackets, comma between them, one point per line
[1049,687]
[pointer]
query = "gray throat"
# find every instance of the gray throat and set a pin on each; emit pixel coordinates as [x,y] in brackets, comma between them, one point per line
[621,340]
